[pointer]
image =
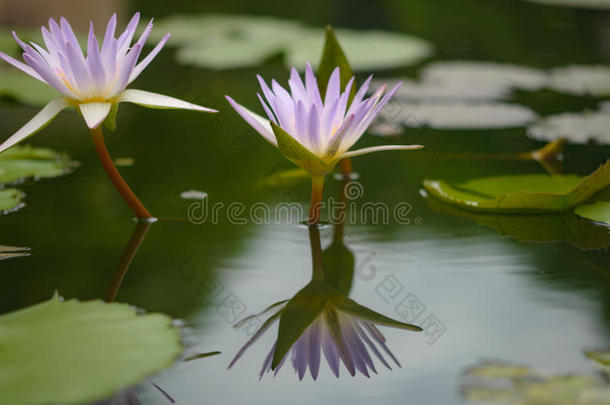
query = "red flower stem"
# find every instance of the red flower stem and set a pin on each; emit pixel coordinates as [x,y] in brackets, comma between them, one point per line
[130,198]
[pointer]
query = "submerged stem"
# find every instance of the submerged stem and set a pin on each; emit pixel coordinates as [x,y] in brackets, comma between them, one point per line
[317,189]
[317,261]
[346,167]
[130,198]
[129,253]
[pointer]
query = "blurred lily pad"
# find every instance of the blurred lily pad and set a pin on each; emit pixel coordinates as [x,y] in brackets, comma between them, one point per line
[73,352]
[16,85]
[550,228]
[582,127]
[8,252]
[466,116]
[581,80]
[366,50]
[599,211]
[594,4]
[10,200]
[21,162]
[235,41]
[507,384]
[529,193]
[468,81]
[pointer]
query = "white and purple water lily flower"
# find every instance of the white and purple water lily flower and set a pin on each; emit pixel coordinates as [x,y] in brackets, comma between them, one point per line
[93,83]
[315,133]
[351,343]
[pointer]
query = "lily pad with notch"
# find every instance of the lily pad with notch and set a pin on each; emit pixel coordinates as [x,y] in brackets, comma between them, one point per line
[524,193]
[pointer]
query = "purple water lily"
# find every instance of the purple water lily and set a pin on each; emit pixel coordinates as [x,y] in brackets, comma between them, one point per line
[343,333]
[317,133]
[93,83]
[327,128]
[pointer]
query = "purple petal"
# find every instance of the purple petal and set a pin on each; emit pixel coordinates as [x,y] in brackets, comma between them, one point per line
[149,58]
[125,39]
[21,66]
[333,89]
[312,87]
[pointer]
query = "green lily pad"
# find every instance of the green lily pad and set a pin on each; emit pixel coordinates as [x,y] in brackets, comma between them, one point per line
[73,352]
[14,84]
[21,162]
[507,384]
[366,50]
[599,211]
[8,252]
[10,200]
[235,41]
[530,193]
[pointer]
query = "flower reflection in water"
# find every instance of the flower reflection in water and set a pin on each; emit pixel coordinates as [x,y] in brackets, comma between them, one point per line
[321,319]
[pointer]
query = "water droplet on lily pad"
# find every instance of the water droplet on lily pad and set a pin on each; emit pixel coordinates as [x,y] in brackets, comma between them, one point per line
[465,116]
[76,352]
[585,127]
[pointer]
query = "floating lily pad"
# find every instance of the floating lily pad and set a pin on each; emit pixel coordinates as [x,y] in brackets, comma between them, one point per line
[582,127]
[581,80]
[21,162]
[468,81]
[599,211]
[594,4]
[8,252]
[15,84]
[464,116]
[529,193]
[73,352]
[366,50]
[237,41]
[10,200]
[507,384]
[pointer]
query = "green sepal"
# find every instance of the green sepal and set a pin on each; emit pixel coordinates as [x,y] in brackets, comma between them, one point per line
[353,308]
[110,121]
[298,154]
[332,57]
[300,312]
